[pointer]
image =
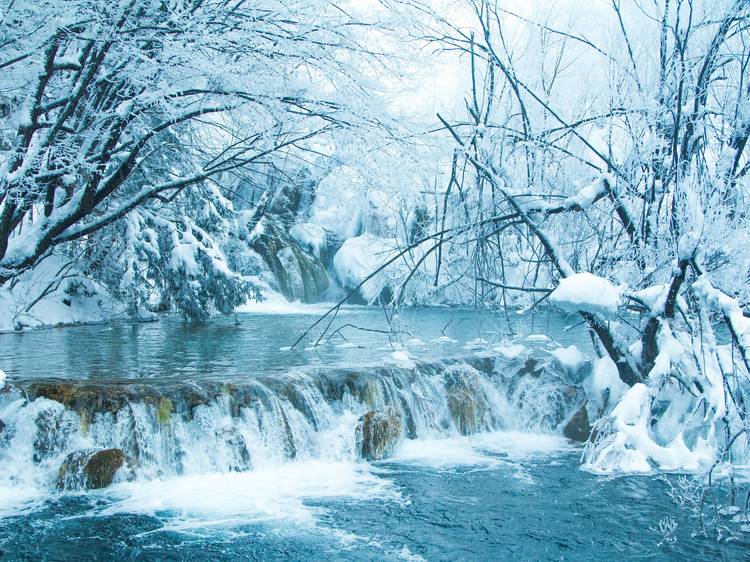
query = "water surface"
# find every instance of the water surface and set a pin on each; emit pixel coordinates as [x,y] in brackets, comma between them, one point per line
[250,344]
[505,493]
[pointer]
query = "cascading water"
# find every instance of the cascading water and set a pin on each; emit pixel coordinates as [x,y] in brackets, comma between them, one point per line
[165,429]
[215,442]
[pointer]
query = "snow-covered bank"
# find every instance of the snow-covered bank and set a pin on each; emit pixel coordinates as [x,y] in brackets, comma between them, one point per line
[54,293]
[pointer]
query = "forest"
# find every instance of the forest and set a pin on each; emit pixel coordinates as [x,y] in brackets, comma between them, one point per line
[357,279]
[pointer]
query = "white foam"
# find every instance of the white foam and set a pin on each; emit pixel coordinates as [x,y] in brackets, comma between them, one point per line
[274,303]
[17,498]
[519,445]
[440,453]
[272,494]
[484,449]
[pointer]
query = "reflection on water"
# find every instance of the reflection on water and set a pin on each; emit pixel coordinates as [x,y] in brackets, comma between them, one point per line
[253,344]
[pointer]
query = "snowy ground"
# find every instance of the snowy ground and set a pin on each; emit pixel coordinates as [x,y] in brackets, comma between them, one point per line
[54,294]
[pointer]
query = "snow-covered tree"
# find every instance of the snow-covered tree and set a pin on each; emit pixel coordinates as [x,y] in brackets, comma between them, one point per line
[603,168]
[124,121]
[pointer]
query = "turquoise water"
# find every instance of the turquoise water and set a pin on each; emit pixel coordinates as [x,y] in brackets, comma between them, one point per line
[513,491]
[250,344]
[537,508]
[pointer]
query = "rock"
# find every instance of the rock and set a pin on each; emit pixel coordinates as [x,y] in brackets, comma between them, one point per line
[467,402]
[90,469]
[299,274]
[2,427]
[379,433]
[579,427]
[531,367]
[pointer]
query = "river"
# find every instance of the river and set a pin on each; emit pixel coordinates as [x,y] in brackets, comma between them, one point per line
[240,448]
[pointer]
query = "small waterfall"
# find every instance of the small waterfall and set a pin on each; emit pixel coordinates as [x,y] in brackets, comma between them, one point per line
[51,429]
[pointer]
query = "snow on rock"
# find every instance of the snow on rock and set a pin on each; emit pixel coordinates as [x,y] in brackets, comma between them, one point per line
[311,237]
[358,258]
[444,339]
[512,351]
[2,378]
[630,447]
[603,386]
[66,298]
[585,292]
[537,337]
[402,359]
[570,358]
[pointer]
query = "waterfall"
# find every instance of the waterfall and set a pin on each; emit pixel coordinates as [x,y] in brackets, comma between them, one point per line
[159,429]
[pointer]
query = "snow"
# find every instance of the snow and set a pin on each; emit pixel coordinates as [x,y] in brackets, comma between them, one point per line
[415,342]
[311,237]
[652,297]
[586,292]
[402,359]
[603,386]
[123,109]
[512,351]
[358,258]
[730,308]
[370,207]
[2,378]
[633,437]
[569,358]
[476,343]
[183,258]
[75,300]
[338,202]
[588,195]
[632,449]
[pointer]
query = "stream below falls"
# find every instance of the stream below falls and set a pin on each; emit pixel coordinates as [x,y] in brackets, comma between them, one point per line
[437,439]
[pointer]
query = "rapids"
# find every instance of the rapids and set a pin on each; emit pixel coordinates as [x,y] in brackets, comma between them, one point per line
[238,447]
